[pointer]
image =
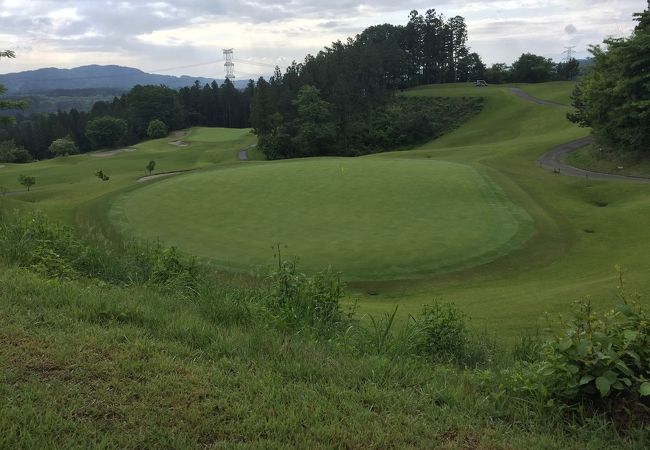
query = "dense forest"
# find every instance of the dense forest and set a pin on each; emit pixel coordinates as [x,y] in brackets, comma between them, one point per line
[126,119]
[341,101]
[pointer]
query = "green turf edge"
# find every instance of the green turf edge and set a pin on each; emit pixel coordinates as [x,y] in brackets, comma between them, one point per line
[491,192]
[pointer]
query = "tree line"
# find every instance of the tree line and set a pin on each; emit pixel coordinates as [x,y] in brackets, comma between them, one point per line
[531,68]
[143,112]
[340,101]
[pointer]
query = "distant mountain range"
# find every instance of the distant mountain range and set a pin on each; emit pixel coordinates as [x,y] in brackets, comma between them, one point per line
[42,81]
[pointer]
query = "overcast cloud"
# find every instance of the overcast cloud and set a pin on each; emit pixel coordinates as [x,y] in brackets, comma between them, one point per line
[156,35]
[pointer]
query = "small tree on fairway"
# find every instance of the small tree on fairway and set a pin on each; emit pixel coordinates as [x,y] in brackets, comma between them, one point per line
[101,175]
[64,147]
[27,181]
[157,129]
[151,166]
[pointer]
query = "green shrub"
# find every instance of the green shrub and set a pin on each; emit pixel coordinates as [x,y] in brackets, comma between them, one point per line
[443,337]
[36,242]
[443,333]
[528,348]
[600,359]
[63,147]
[299,301]
[11,153]
[439,334]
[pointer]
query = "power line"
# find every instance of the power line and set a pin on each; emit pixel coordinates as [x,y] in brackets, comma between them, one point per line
[255,63]
[184,67]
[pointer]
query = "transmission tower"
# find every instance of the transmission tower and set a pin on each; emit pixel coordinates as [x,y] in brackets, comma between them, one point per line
[229,65]
[569,52]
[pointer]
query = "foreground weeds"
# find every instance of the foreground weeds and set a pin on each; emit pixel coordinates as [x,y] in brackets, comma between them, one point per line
[92,355]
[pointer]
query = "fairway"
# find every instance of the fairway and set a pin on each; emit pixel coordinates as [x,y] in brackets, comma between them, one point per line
[369,219]
[435,221]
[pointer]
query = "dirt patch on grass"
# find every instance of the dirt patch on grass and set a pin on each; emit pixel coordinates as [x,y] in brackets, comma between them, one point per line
[243,153]
[161,175]
[2,166]
[179,143]
[113,152]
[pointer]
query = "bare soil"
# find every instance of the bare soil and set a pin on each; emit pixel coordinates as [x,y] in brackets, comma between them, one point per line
[161,175]
[113,152]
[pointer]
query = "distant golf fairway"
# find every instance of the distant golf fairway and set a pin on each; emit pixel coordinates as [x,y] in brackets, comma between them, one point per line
[368,218]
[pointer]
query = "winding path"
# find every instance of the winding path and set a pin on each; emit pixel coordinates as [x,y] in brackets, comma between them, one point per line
[243,153]
[554,159]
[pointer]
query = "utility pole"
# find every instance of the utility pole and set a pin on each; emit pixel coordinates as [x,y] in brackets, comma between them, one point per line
[569,52]
[229,65]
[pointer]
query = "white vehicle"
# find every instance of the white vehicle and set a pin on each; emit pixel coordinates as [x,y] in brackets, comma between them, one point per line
[481,83]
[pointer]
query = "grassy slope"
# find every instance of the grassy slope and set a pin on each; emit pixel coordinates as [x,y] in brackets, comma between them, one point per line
[564,260]
[367,218]
[64,184]
[557,91]
[98,367]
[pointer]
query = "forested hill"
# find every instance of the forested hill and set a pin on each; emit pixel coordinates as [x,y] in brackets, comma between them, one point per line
[93,77]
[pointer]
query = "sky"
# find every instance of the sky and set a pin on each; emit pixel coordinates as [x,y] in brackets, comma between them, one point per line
[187,36]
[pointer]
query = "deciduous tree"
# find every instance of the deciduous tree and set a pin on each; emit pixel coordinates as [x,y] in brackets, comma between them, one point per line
[157,129]
[106,131]
[614,97]
[63,147]
[27,181]
[530,68]
[151,166]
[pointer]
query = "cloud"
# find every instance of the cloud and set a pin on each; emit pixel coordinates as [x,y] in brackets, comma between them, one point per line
[157,34]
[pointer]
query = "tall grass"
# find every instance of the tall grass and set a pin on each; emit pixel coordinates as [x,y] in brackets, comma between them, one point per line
[291,305]
[36,242]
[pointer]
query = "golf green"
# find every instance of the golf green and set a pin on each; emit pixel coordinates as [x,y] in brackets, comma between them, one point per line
[369,219]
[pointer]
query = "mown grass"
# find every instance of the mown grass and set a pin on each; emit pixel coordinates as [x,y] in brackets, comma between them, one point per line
[64,184]
[556,91]
[571,252]
[576,243]
[368,219]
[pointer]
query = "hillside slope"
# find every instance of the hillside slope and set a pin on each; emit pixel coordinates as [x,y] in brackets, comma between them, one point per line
[92,77]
